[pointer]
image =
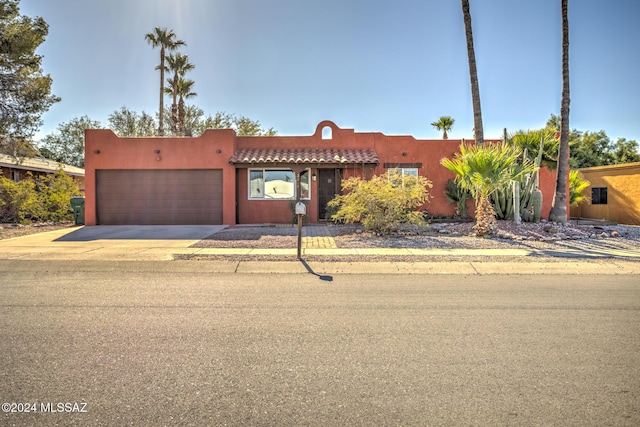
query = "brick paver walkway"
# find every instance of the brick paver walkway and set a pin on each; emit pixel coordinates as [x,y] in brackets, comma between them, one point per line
[317,237]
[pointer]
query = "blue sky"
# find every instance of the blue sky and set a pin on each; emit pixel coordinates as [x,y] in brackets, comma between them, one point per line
[392,66]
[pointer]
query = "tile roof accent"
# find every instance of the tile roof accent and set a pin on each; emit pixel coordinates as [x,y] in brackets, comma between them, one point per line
[306,155]
[38,164]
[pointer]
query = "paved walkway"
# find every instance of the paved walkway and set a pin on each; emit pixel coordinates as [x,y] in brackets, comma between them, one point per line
[317,237]
[164,243]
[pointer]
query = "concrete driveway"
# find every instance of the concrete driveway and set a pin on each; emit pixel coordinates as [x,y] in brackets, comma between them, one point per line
[140,232]
[127,242]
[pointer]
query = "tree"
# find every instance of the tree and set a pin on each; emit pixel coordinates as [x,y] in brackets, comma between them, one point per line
[247,127]
[166,40]
[25,92]
[559,206]
[125,122]
[196,123]
[67,143]
[590,149]
[179,64]
[625,151]
[483,170]
[473,74]
[184,92]
[444,124]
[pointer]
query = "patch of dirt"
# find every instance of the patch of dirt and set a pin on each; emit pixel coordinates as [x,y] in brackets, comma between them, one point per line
[9,231]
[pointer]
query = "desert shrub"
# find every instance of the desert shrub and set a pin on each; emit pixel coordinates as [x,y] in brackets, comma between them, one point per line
[55,192]
[382,203]
[18,201]
[46,199]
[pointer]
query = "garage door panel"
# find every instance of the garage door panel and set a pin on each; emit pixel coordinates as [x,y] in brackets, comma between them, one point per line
[156,197]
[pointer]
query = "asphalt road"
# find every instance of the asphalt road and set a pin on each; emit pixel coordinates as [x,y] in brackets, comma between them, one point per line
[141,344]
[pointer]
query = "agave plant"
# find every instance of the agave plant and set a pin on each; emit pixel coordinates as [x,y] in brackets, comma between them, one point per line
[458,195]
[483,170]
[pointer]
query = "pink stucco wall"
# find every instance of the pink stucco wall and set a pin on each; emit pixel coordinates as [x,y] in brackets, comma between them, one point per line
[211,150]
[214,148]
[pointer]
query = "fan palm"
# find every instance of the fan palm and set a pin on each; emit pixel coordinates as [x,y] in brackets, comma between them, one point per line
[529,141]
[577,184]
[444,123]
[166,40]
[184,91]
[483,170]
[179,64]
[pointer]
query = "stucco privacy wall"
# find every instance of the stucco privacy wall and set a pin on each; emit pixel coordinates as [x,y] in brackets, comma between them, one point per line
[623,193]
[214,149]
[211,150]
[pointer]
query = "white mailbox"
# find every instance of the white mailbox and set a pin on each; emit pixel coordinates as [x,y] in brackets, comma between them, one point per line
[301,208]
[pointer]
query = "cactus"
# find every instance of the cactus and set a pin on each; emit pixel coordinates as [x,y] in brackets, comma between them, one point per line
[529,210]
[537,205]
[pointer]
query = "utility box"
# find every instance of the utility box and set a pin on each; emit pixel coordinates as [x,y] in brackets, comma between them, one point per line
[77,204]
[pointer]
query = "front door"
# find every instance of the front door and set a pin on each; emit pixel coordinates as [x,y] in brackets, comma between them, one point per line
[328,187]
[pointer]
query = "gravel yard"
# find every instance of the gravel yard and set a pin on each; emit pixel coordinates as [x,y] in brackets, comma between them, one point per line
[438,236]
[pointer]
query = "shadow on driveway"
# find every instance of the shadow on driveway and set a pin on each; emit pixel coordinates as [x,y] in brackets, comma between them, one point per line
[141,232]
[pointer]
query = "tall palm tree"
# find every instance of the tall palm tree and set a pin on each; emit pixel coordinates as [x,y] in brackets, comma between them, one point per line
[559,207]
[184,92]
[179,64]
[166,40]
[483,170]
[444,123]
[473,74]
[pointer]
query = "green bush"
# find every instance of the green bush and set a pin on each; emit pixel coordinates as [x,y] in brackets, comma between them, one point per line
[382,203]
[18,201]
[46,198]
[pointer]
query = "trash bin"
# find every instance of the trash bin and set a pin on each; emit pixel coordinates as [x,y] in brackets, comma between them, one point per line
[77,204]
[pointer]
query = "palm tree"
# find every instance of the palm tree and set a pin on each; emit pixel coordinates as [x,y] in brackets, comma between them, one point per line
[166,40]
[184,91]
[473,74]
[559,207]
[483,170]
[577,185]
[179,64]
[444,123]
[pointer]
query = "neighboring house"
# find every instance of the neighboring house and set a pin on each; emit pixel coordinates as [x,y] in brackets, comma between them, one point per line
[614,194]
[18,169]
[222,178]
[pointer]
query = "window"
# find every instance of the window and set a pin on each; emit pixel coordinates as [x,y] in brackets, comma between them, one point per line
[403,173]
[277,184]
[15,176]
[599,196]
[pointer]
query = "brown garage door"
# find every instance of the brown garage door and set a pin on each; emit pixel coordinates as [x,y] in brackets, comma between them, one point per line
[150,197]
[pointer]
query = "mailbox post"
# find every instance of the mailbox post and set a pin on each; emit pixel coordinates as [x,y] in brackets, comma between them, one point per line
[301,210]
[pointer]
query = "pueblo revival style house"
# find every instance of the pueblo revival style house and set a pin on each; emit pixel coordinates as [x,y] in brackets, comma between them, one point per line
[222,178]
